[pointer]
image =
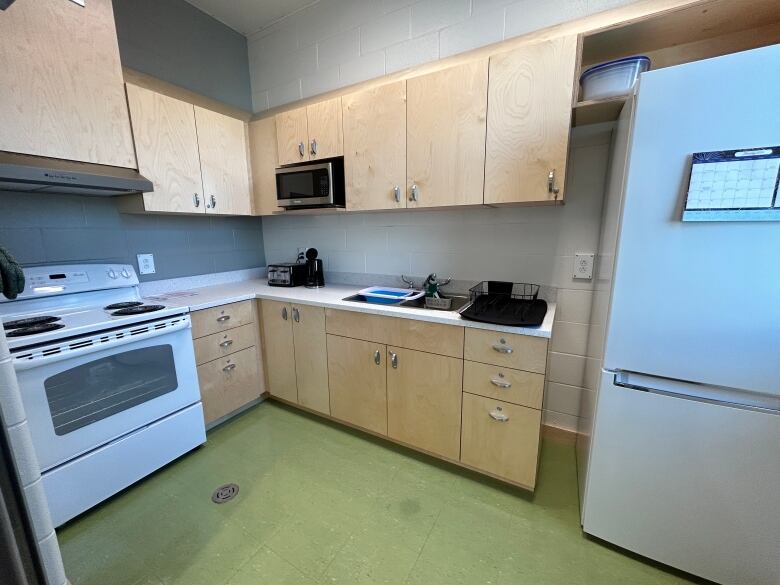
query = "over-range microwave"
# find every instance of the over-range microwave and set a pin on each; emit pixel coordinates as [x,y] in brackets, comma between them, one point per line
[317,184]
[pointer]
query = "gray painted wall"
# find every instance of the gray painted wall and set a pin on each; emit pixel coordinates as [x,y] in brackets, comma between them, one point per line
[174,41]
[51,229]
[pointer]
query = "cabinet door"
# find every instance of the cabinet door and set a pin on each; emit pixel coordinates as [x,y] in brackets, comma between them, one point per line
[61,79]
[166,144]
[375,147]
[445,131]
[423,400]
[529,119]
[501,439]
[292,136]
[358,383]
[262,149]
[325,129]
[222,142]
[311,361]
[279,350]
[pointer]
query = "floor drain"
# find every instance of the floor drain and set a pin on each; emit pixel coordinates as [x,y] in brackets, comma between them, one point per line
[224,493]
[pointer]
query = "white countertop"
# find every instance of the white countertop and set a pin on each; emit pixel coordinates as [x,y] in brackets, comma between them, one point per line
[331,296]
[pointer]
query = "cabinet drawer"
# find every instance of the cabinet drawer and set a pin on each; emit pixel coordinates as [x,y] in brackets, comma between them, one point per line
[501,438]
[218,319]
[229,383]
[520,352]
[515,386]
[219,345]
[408,333]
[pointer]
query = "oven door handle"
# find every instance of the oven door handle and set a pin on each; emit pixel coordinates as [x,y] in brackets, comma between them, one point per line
[38,357]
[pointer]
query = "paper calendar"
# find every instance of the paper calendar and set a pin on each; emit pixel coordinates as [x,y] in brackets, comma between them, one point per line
[734,185]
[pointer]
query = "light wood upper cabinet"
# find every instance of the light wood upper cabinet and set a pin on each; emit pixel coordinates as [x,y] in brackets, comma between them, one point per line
[262,148]
[423,400]
[279,350]
[375,147]
[529,118]
[311,362]
[292,136]
[325,129]
[224,152]
[446,121]
[166,142]
[358,384]
[61,83]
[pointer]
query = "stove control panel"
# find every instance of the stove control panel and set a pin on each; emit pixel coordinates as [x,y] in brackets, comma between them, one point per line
[71,278]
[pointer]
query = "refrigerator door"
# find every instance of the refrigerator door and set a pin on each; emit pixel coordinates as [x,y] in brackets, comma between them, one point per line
[687,482]
[698,301]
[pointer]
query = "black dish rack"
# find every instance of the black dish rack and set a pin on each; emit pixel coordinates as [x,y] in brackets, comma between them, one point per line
[514,304]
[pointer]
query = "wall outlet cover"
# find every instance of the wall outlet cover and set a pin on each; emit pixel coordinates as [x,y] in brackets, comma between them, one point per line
[583,266]
[146,263]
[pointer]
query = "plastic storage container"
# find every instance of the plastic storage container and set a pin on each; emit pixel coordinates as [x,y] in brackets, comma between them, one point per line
[612,79]
[383,295]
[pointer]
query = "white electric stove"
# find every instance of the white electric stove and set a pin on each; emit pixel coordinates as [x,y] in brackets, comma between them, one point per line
[108,381]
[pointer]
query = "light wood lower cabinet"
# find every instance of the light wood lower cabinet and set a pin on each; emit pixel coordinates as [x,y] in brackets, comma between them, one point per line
[279,350]
[357,378]
[515,386]
[228,358]
[311,362]
[501,439]
[423,400]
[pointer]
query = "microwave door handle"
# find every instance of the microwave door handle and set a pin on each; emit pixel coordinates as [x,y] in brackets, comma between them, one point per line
[27,364]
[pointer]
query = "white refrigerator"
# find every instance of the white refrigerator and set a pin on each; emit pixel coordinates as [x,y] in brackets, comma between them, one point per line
[680,450]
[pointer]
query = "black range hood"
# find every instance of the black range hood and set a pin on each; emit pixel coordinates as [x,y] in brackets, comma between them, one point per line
[37,174]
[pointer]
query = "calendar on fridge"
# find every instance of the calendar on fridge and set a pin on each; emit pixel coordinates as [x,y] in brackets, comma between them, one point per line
[734,185]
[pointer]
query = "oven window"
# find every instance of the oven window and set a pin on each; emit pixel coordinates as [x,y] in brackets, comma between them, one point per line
[104,387]
[303,185]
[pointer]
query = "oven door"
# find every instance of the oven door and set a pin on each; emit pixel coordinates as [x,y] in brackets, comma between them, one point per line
[305,185]
[84,393]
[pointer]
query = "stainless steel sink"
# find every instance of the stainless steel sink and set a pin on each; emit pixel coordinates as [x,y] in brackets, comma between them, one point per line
[458,302]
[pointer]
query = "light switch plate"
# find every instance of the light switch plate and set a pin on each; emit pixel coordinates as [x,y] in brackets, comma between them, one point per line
[146,263]
[583,266]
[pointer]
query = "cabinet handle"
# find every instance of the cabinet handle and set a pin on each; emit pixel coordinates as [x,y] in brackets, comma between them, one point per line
[397,194]
[213,202]
[377,357]
[415,193]
[229,368]
[500,382]
[551,188]
[296,315]
[501,347]
[301,149]
[284,313]
[196,200]
[498,415]
[394,360]
[226,343]
[314,146]
[223,318]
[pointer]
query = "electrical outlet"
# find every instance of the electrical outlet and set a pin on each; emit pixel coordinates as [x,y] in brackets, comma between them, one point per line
[146,263]
[583,266]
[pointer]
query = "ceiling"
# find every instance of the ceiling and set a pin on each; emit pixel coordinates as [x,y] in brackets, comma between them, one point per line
[250,16]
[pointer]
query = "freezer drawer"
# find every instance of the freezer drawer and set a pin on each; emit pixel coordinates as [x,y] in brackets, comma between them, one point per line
[688,483]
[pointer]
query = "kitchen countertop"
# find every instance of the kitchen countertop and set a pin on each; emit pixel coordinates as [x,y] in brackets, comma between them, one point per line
[331,296]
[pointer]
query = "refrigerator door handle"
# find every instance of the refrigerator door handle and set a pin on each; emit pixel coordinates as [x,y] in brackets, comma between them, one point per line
[719,395]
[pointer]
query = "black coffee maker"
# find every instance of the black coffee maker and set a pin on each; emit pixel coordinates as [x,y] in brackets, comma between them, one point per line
[315,276]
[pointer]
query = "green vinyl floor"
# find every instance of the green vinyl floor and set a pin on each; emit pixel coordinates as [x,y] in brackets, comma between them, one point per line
[319,503]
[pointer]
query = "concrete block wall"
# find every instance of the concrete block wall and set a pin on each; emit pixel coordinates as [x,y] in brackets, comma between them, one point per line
[522,244]
[335,43]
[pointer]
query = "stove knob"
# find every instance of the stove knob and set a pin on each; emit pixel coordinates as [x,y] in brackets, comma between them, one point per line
[111,273]
[125,273]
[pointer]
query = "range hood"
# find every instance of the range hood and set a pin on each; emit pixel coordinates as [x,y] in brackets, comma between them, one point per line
[36,174]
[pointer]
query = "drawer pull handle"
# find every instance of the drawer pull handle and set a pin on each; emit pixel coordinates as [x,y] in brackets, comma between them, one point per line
[502,347]
[500,383]
[226,343]
[377,357]
[223,318]
[284,313]
[229,367]
[498,415]
[394,360]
